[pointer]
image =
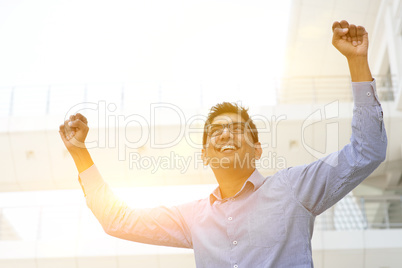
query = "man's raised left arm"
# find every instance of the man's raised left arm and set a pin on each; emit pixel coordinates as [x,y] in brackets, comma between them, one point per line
[320,184]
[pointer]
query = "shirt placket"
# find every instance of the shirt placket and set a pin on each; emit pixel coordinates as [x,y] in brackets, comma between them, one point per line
[231,220]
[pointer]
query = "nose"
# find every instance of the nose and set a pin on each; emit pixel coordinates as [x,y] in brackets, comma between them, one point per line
[226,133]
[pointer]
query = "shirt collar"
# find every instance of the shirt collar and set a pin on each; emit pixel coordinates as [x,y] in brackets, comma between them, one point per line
[255,180]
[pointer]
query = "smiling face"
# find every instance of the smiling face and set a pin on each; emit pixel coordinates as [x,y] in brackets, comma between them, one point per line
[231,150]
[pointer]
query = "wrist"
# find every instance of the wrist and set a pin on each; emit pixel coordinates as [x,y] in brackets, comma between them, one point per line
[82,159]
[77,151]
[357,59]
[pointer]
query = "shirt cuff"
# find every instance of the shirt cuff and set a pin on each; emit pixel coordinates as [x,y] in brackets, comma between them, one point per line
[90,179]
[365,93]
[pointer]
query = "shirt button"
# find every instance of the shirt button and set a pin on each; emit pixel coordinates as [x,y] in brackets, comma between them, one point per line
[235,242]
[368,94]
[235,266]
[230,218]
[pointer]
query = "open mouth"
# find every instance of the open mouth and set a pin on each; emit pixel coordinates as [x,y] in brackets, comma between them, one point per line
[227,148]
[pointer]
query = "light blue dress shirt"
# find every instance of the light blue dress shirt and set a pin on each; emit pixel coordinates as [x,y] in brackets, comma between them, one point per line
[269,222]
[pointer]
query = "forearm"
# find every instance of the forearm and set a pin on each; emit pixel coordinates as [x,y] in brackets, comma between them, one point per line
[82,159]
[359,69]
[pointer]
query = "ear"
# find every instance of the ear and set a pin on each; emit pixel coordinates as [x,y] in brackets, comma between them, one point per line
[204,157]
[257,150]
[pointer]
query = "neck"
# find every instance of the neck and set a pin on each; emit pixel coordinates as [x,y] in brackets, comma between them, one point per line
[231,180]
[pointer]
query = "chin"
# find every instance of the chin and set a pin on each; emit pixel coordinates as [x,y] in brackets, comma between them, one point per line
[225,162]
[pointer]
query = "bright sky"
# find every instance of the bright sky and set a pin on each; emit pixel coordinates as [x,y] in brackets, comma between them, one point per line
[231,47]
[216,42]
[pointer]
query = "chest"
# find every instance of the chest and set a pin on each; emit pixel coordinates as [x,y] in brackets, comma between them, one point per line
[255,229]
[259,218]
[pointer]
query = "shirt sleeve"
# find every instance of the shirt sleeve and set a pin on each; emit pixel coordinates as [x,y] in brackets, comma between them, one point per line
[158,226]
[319,185]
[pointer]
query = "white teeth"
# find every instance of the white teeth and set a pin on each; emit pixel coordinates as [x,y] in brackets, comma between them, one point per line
[231,147]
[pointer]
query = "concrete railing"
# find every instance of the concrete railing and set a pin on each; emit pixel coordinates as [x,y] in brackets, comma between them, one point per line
[351,213]
[363,212]
[58,99]
[324,89]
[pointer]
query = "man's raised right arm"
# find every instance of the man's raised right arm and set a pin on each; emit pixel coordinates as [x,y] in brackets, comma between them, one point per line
[160,225]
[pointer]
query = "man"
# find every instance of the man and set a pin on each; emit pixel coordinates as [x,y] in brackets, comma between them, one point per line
[249,220]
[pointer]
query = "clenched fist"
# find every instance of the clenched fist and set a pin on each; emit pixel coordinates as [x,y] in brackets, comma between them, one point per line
[74,132]
[349,39]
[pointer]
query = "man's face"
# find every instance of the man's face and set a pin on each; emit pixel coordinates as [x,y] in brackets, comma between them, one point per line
[230,149]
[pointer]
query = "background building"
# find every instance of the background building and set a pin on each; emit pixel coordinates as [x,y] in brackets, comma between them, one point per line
[145,76]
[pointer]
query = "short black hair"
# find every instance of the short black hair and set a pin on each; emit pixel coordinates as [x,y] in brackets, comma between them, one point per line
[234,108]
